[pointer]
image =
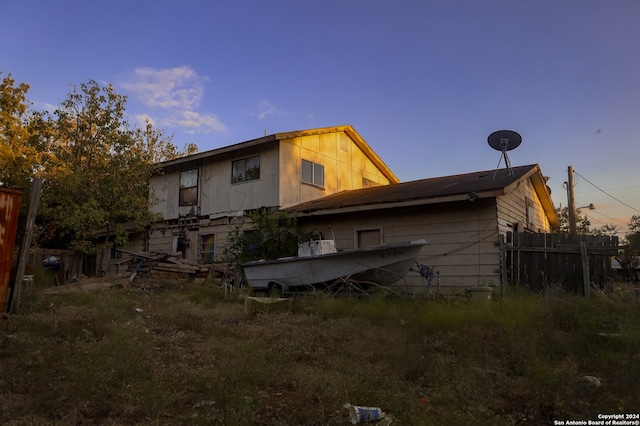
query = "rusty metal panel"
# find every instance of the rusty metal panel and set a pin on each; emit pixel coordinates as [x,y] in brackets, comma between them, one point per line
[9,209]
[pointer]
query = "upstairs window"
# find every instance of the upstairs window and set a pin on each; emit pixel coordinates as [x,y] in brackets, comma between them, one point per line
[312,173]
[246,169]
[189,187]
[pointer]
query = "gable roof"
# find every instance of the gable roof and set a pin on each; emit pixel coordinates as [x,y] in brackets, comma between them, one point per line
[348,129]
[434,190]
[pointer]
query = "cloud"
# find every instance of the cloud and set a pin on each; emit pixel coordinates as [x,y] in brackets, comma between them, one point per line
[264,109]
[192,122]
[173,95]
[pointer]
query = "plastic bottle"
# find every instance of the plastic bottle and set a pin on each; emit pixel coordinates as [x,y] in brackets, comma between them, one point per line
[359,414]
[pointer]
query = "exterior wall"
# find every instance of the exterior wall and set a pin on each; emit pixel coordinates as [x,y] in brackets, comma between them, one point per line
[216,192]
[222,203]
[462,239]
[512,210]
[345,167]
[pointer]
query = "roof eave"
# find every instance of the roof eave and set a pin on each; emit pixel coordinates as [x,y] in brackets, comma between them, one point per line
[407,203]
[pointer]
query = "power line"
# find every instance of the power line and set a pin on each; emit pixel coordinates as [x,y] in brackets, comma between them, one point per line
[606,193]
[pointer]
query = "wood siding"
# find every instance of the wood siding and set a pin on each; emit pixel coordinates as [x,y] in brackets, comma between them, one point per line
[345,166]
[216,192]
[512,210]
[462,236]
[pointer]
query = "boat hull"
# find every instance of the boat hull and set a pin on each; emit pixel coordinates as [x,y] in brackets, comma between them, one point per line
[381,265]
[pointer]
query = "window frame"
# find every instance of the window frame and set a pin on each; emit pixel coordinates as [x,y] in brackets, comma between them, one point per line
[316,170]
[248,173]
[190,199]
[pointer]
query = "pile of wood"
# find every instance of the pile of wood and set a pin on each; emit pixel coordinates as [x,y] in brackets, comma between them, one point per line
[171,265]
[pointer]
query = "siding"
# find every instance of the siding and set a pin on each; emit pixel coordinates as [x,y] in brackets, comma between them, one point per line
[345,166]
[216,193]
[512,209]
[462,236]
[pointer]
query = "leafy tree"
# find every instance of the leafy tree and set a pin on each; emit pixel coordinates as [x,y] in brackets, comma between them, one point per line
[607,229]
[20,148]
[269,235]
[582,222]
[631,248]
[96,176]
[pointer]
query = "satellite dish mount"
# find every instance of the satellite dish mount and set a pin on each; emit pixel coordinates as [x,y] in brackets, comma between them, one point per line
[503,141]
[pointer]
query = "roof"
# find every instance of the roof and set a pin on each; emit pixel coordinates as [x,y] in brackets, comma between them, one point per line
[484,184]
[348,129]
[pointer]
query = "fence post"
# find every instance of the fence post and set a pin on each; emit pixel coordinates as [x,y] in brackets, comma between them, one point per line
[34,199]
[585,269]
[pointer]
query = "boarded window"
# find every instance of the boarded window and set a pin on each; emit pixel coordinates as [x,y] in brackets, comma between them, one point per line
[246,169]
[312,173]
[530,213]
[369,238]
[189,187]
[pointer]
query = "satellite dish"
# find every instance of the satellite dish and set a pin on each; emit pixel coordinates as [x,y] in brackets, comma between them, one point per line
[504,140]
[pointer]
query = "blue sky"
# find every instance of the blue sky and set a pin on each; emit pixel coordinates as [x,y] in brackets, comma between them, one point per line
[423,82]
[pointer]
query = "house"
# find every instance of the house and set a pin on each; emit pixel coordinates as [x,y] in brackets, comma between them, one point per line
[201,197]
[461,217]
[334,182]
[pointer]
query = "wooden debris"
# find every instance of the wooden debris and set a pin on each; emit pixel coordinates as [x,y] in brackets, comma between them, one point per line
[172,265]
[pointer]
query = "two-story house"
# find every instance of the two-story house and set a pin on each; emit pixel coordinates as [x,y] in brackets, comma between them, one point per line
[200,196]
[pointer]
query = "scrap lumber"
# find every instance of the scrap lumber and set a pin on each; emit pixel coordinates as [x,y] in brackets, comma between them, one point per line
[163,264]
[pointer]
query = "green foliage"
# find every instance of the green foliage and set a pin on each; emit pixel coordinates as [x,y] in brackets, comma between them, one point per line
[95,166]
[20,148]
[98,168]
[633,237]
[582,222]
[269,234]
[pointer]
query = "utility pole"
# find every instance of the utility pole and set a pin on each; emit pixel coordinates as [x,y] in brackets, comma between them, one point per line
[572,203]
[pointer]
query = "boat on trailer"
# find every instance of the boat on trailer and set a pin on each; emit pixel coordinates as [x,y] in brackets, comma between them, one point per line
[319,263]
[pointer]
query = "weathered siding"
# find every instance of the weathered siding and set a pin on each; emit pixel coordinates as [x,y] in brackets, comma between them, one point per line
[216,192]
[463,238]
[345,166]
[512,210]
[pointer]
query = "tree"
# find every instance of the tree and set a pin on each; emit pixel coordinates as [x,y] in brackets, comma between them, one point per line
[607,229]
[20,148]
[96,176]
[582,222]
[269,235]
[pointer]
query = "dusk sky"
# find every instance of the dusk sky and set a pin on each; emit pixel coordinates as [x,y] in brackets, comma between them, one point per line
[423,82]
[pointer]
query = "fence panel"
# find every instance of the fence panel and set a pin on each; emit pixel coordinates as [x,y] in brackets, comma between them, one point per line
[538,261]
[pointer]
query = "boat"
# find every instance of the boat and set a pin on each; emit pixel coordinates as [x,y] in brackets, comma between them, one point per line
[319,263]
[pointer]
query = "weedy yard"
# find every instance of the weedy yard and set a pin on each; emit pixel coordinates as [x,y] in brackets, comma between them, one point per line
[174,353]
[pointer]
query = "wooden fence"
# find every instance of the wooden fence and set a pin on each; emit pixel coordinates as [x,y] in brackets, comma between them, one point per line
[575,262]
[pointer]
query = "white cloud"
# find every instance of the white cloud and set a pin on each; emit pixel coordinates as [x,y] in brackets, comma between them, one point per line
[193,122]
[265,108]
[173,95]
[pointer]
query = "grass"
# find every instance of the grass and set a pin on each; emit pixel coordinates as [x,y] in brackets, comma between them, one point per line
[182,354]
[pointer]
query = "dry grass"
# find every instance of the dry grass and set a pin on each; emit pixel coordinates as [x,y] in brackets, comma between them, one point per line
[174,353]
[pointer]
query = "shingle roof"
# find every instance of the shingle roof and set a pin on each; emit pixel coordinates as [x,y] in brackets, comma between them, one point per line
[424,189]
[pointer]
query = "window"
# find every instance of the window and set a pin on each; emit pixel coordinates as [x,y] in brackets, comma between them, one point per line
[312,173]
[207,248]
[529,213]
[246,169]
[189,187]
